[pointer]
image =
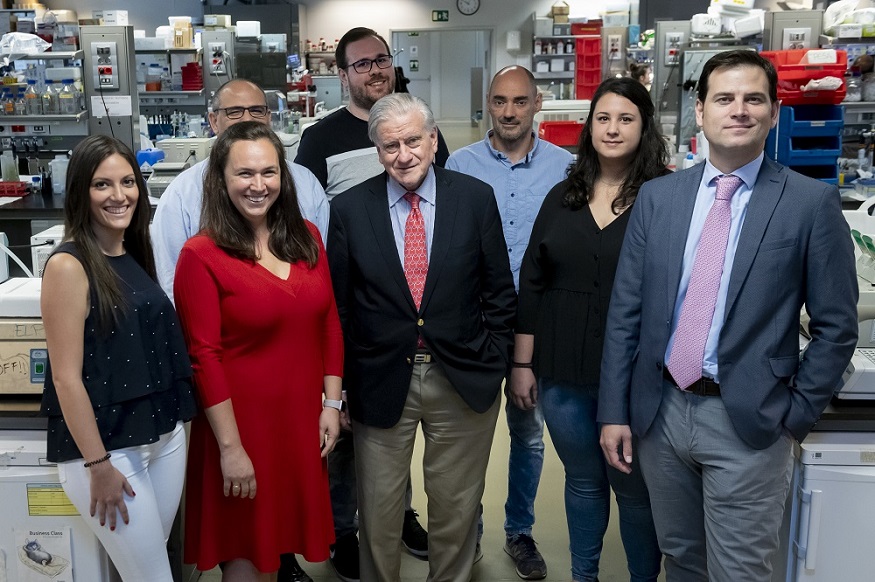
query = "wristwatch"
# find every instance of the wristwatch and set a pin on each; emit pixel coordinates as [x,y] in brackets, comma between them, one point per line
[338,404]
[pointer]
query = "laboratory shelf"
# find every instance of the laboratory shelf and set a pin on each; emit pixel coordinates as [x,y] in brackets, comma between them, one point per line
[51,55]
[77,117]
[554,75]
[197,93]
[171,50]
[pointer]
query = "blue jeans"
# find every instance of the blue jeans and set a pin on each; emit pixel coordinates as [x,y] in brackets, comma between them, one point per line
[570,413]
[524,467]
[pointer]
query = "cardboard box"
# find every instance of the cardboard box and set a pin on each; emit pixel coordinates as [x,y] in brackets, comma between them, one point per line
[182,36]
[111,17]
[560,19]
[23,356]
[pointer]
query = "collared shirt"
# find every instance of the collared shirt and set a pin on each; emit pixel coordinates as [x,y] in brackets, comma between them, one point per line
[704,199]
[399,209]
[520,188]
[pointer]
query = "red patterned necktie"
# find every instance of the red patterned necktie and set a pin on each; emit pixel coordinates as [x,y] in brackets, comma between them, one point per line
[415,254]
[697,313]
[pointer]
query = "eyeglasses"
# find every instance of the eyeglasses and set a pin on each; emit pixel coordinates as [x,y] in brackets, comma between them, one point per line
[237,112]
[364,66]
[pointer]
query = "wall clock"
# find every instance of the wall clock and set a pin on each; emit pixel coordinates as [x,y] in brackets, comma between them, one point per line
[468,7]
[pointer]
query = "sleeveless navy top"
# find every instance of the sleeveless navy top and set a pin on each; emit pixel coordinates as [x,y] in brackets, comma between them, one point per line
[137,374]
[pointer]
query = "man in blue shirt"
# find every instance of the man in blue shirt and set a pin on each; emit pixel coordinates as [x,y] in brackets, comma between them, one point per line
[521,169]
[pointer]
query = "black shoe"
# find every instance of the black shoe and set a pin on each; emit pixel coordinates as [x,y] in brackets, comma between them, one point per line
[290,571]
[345,558]
[413,536]
[529,563]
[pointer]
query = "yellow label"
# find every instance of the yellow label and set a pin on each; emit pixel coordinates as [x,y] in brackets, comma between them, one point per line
[46,499]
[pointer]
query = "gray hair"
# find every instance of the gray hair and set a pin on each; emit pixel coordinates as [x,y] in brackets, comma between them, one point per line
[397,105]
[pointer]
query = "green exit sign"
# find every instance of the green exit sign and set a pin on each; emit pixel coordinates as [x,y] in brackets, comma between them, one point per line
[440,15]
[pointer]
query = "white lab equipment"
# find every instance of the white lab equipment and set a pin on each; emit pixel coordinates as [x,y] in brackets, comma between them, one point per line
[830,512]
[41,246]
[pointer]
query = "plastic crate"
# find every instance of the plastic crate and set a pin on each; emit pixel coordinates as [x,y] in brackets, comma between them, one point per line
[809,150]
[13,188]
[792,75]
[585,90]
[591,27]
[560,133]
[801,120]
[827,173]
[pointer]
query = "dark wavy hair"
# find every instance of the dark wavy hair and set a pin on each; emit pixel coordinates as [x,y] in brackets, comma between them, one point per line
[87,156]
[290,239]
[649,162]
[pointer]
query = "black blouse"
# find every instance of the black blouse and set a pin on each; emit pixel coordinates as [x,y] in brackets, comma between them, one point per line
[566,279]
[138,375]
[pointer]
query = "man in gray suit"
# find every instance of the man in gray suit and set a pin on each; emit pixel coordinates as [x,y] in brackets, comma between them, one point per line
[701,360]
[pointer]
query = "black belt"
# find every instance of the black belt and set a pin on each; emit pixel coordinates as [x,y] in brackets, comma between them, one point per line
[701,387]
[423,357]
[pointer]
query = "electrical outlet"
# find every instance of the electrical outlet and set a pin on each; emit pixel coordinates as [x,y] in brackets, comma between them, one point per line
[614,43]
[217,58]
[104,56]
[796,38]
[673,42]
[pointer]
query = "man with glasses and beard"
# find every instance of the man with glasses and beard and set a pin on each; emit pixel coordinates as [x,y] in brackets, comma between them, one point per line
[339,152]
[337,149]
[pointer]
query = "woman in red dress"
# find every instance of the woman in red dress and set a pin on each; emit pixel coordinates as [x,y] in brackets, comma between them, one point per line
[254,296]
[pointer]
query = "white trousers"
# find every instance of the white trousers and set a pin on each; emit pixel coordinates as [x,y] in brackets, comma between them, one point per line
[156,473]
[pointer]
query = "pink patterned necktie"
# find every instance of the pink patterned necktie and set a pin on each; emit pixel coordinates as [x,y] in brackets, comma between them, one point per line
[697,312]
[415,254]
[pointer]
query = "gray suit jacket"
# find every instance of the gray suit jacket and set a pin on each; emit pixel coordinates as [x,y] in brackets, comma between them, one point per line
[794,249]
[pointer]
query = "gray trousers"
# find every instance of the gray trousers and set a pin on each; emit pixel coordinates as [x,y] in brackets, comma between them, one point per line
[717,503]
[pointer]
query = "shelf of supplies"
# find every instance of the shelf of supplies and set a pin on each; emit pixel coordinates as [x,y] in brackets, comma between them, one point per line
[554,55]
[558,36]
[77,117]
[554,75]
[51,55]
[856,105]
[171,50]
[172,93]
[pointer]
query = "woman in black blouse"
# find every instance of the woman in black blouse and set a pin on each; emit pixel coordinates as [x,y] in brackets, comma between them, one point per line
[565,286]
[118,385]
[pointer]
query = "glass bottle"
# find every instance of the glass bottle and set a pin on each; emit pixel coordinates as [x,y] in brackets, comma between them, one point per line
[33,103]
[20,103]
[67,99]
[166,82]
[853,86]
[49,99]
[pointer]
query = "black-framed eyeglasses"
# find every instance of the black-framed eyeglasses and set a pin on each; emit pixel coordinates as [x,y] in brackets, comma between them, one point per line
[364,66]
[237,112]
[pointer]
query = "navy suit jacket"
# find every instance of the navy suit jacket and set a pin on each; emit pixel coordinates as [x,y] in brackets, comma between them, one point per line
[795,248]
[468,305]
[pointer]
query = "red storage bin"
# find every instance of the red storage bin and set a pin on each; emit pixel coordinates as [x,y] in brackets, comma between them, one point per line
[13,188]
[561,133]
[792,75]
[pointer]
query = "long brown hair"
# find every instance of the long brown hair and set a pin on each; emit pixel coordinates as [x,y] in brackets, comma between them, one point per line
[650,160]
[87,157]
[290,239]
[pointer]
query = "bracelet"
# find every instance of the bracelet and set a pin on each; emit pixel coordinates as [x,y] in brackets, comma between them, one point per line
[98,461]
[520,364]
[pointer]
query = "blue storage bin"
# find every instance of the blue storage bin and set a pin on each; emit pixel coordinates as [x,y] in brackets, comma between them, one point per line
[807,120]
[827,173]
[809,150]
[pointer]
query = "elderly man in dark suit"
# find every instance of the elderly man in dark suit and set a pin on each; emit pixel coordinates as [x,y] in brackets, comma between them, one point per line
[701,354]
[426,300]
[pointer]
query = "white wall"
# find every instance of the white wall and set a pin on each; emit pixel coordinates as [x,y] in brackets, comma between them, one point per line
[331,18]
[145,14]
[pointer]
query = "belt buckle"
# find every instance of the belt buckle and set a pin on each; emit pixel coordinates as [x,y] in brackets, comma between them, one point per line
[420,358]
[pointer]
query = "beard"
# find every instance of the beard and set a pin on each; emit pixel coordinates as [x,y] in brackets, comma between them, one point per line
[512,134]
[364,96]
